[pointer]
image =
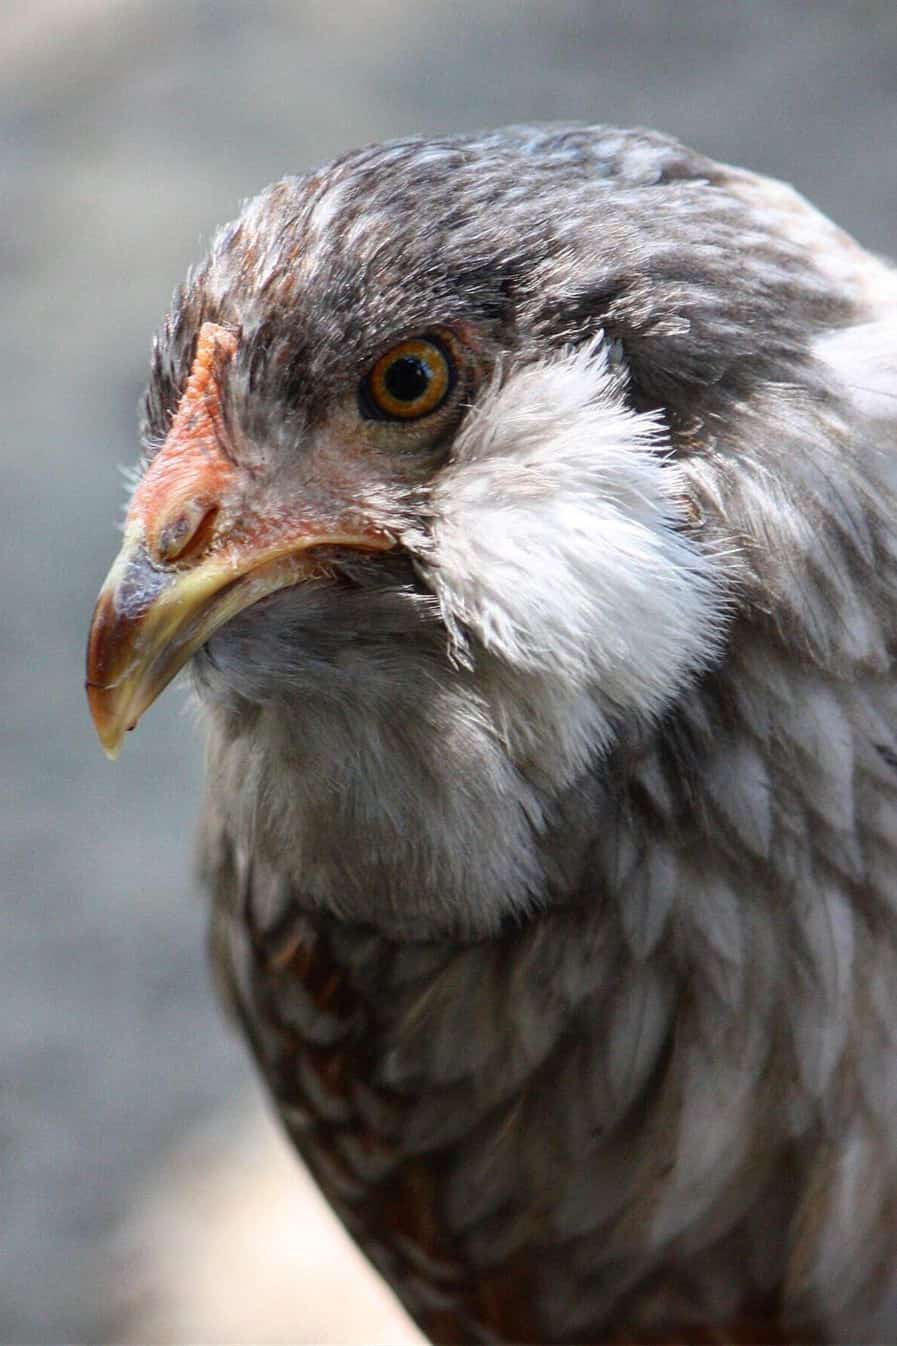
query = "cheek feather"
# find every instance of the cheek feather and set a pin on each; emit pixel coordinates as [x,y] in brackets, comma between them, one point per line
[559,540]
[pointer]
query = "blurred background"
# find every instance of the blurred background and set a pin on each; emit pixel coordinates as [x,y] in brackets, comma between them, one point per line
[143,1193]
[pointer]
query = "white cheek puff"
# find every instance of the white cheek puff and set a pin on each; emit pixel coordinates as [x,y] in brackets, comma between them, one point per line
[557,540]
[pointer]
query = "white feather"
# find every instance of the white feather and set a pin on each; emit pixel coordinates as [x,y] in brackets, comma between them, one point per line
[864,360]
[559,546]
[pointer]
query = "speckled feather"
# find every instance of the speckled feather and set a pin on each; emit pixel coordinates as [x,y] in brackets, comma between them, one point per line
[554,858]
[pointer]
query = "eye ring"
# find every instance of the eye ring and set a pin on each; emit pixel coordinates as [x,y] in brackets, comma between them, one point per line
[410,381]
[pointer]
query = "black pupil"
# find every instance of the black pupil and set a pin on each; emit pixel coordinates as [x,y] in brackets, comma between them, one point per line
[407,378]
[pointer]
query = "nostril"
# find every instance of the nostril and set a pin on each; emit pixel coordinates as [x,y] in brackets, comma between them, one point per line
[186,535]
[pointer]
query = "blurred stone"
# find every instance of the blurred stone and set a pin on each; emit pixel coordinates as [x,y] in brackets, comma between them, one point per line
[232,1242]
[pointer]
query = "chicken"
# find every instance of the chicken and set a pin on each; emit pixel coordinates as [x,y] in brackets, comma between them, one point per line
[524,507]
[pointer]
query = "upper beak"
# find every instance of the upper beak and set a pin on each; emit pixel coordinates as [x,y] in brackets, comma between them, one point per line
[192,558]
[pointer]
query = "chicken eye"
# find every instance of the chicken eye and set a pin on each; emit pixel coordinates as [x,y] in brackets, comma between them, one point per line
[411,380]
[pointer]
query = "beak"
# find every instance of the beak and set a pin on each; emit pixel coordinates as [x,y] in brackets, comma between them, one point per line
[193,556]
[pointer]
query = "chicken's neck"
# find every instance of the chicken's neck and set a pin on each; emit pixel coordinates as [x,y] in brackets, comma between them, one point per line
[678,995]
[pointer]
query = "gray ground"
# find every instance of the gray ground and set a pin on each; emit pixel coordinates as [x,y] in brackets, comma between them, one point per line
[129,131]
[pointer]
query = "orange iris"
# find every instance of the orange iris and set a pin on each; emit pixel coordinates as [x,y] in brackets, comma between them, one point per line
[411,380]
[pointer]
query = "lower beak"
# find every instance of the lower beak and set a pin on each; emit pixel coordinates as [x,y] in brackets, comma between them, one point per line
[150,619]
